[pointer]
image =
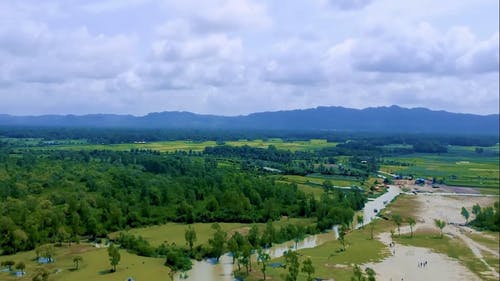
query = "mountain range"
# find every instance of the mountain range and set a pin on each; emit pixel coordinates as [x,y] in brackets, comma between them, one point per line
[378,119]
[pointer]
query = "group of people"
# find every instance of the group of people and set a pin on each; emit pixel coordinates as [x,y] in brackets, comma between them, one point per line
[422,264]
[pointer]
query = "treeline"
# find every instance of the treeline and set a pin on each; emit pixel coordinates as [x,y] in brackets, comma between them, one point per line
[487,218]
[127,135]
[51,196]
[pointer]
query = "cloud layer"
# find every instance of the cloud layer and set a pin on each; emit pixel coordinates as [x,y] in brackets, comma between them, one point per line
[239,56]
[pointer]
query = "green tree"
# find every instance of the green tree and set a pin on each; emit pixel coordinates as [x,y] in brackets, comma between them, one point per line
[234,246]
[253,236]
[190,236]
[308,268]
[8,264]
[114,257]
[41,275]
[343,230]
[476,209]
[21,266]
[411,221]
[292,263]
[246,256]
[465,214]
[358,274]
[218,241]
[76,261]
[263,259]
[360,220]
[440,224]
[370,274]
[397,220]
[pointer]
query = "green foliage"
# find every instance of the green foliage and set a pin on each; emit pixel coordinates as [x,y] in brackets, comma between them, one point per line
[440,224]
[308,268]
[190,236]
[398,221]
[114,257]
[218,241]
[359,275]
[8,263]
[292,263]
[77,260]
[263,258]
[465,214]
[487,218]
[411,222]
[176,260]
[41,275]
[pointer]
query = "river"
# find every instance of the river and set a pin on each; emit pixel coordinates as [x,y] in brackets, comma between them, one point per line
[209,270]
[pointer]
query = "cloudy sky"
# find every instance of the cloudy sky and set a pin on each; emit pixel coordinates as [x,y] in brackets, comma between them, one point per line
[234,57]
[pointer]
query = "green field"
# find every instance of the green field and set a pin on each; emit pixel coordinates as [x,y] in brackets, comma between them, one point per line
[461,166]
[174,232]
[95,266]
[172,146]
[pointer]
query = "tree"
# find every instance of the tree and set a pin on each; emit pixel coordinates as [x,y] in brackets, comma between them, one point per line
[176,260]
[62,235]
[465,214]
[21,266]
[253,236]
[370,274]
[234,245]
[292,262]
[263,259]
[343,229]
[218,241]
[76,261]
[397,220]
[41,275]
[411,221]
[8,263]
[308,268]
[360,220]
[440,224]
[372,228]
[190,236]
[358,274]
[114,257]
[48,252]
[476,209]
[246,256]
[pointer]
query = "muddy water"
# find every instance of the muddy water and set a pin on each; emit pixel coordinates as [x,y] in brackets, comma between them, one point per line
[210,270]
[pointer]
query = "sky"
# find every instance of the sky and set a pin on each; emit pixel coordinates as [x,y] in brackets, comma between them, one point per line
[232,57]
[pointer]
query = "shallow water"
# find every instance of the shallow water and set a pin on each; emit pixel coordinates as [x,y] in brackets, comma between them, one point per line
[209,270]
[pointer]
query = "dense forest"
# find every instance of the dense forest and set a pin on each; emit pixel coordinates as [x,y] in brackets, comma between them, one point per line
[50,196]
[117,135]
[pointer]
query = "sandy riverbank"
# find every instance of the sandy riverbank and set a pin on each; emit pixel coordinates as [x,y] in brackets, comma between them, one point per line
[404,264]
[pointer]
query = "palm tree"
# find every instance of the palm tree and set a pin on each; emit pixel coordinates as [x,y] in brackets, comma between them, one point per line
[440,224]
[397,220]
[411,221]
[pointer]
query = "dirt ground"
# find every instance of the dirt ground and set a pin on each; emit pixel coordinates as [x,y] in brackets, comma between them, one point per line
[404,264]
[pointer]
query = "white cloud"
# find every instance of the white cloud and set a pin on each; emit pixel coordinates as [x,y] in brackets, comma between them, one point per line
[349,4]
[419,50]
[38,54]
[222,15]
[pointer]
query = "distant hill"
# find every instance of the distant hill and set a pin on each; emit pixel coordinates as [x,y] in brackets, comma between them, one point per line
[380,119]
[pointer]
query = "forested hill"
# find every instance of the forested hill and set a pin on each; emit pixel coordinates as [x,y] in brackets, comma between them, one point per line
[392,119]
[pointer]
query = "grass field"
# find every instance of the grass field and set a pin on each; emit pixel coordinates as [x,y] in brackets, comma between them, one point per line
[95,266]
[461,166]
[174,232]
[172,146]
